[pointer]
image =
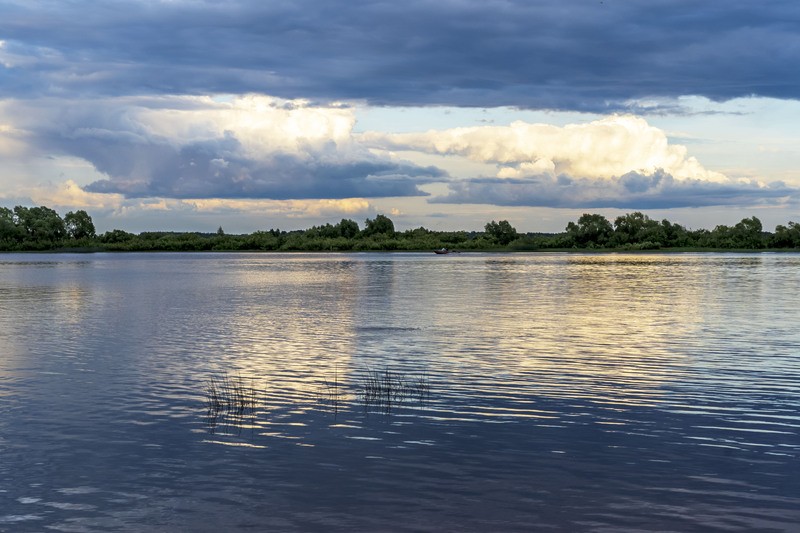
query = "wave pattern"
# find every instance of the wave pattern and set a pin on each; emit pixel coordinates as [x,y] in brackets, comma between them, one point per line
[546,391]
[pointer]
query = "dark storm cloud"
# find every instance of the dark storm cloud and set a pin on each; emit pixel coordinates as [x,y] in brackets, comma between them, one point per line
[588,55]
[216,169]
[631,191]
[196,172]
[139,163]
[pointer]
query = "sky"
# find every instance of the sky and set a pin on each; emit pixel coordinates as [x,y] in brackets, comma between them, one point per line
[188,115]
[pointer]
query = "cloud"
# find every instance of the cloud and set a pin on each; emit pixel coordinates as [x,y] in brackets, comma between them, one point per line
[616,162]
[114,210]
[11,142]
[204,153]
[188,147]
[633,190]
[601,149]
[284,208]
[591,56]
[71,196]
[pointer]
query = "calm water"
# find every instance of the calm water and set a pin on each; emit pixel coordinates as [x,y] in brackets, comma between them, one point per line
[553,392]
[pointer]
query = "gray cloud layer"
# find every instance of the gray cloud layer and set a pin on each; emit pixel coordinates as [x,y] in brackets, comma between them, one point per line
[118,142]
[198,171]
[549,54]
[631,191]
[175,148]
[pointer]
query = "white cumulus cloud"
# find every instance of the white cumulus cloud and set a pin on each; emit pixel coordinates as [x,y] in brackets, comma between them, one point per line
[263,125]
[250,146]
[602,149]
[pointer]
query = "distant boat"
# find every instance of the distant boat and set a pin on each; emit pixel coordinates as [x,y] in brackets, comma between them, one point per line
[442,251]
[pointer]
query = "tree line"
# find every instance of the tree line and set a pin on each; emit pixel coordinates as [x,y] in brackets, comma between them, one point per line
[42,228]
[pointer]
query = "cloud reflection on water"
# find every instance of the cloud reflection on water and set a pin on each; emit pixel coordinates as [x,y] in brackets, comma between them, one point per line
[615,386]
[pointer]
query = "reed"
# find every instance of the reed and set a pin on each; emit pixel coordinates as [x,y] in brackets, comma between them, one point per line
[230,394]
[384,388]
[332,391]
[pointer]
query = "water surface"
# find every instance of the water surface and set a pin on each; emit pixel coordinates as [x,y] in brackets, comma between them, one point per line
[562,392]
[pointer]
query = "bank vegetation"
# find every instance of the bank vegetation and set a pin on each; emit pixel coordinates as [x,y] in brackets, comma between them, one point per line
[43,229]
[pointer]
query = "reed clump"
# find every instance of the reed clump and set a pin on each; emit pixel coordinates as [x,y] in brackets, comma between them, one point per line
[384,388]
[231,395]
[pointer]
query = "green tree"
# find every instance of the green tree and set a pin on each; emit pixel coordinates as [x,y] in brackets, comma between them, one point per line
[116,236]
[636,228]
[639,231]
[591,230]
[263,240]
[674,234]
[40,224]
[381,225]
[349,228]
[9,232]
[786,237]
[501,232]
[720,237]
[748,233]
[79,225]
[745,234]
[326,231]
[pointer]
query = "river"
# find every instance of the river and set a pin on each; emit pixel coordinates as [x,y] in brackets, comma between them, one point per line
[399,392]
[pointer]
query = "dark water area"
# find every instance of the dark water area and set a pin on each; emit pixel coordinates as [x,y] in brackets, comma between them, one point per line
[543,392]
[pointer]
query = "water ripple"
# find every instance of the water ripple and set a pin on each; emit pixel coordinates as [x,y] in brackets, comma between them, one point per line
[573,392]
